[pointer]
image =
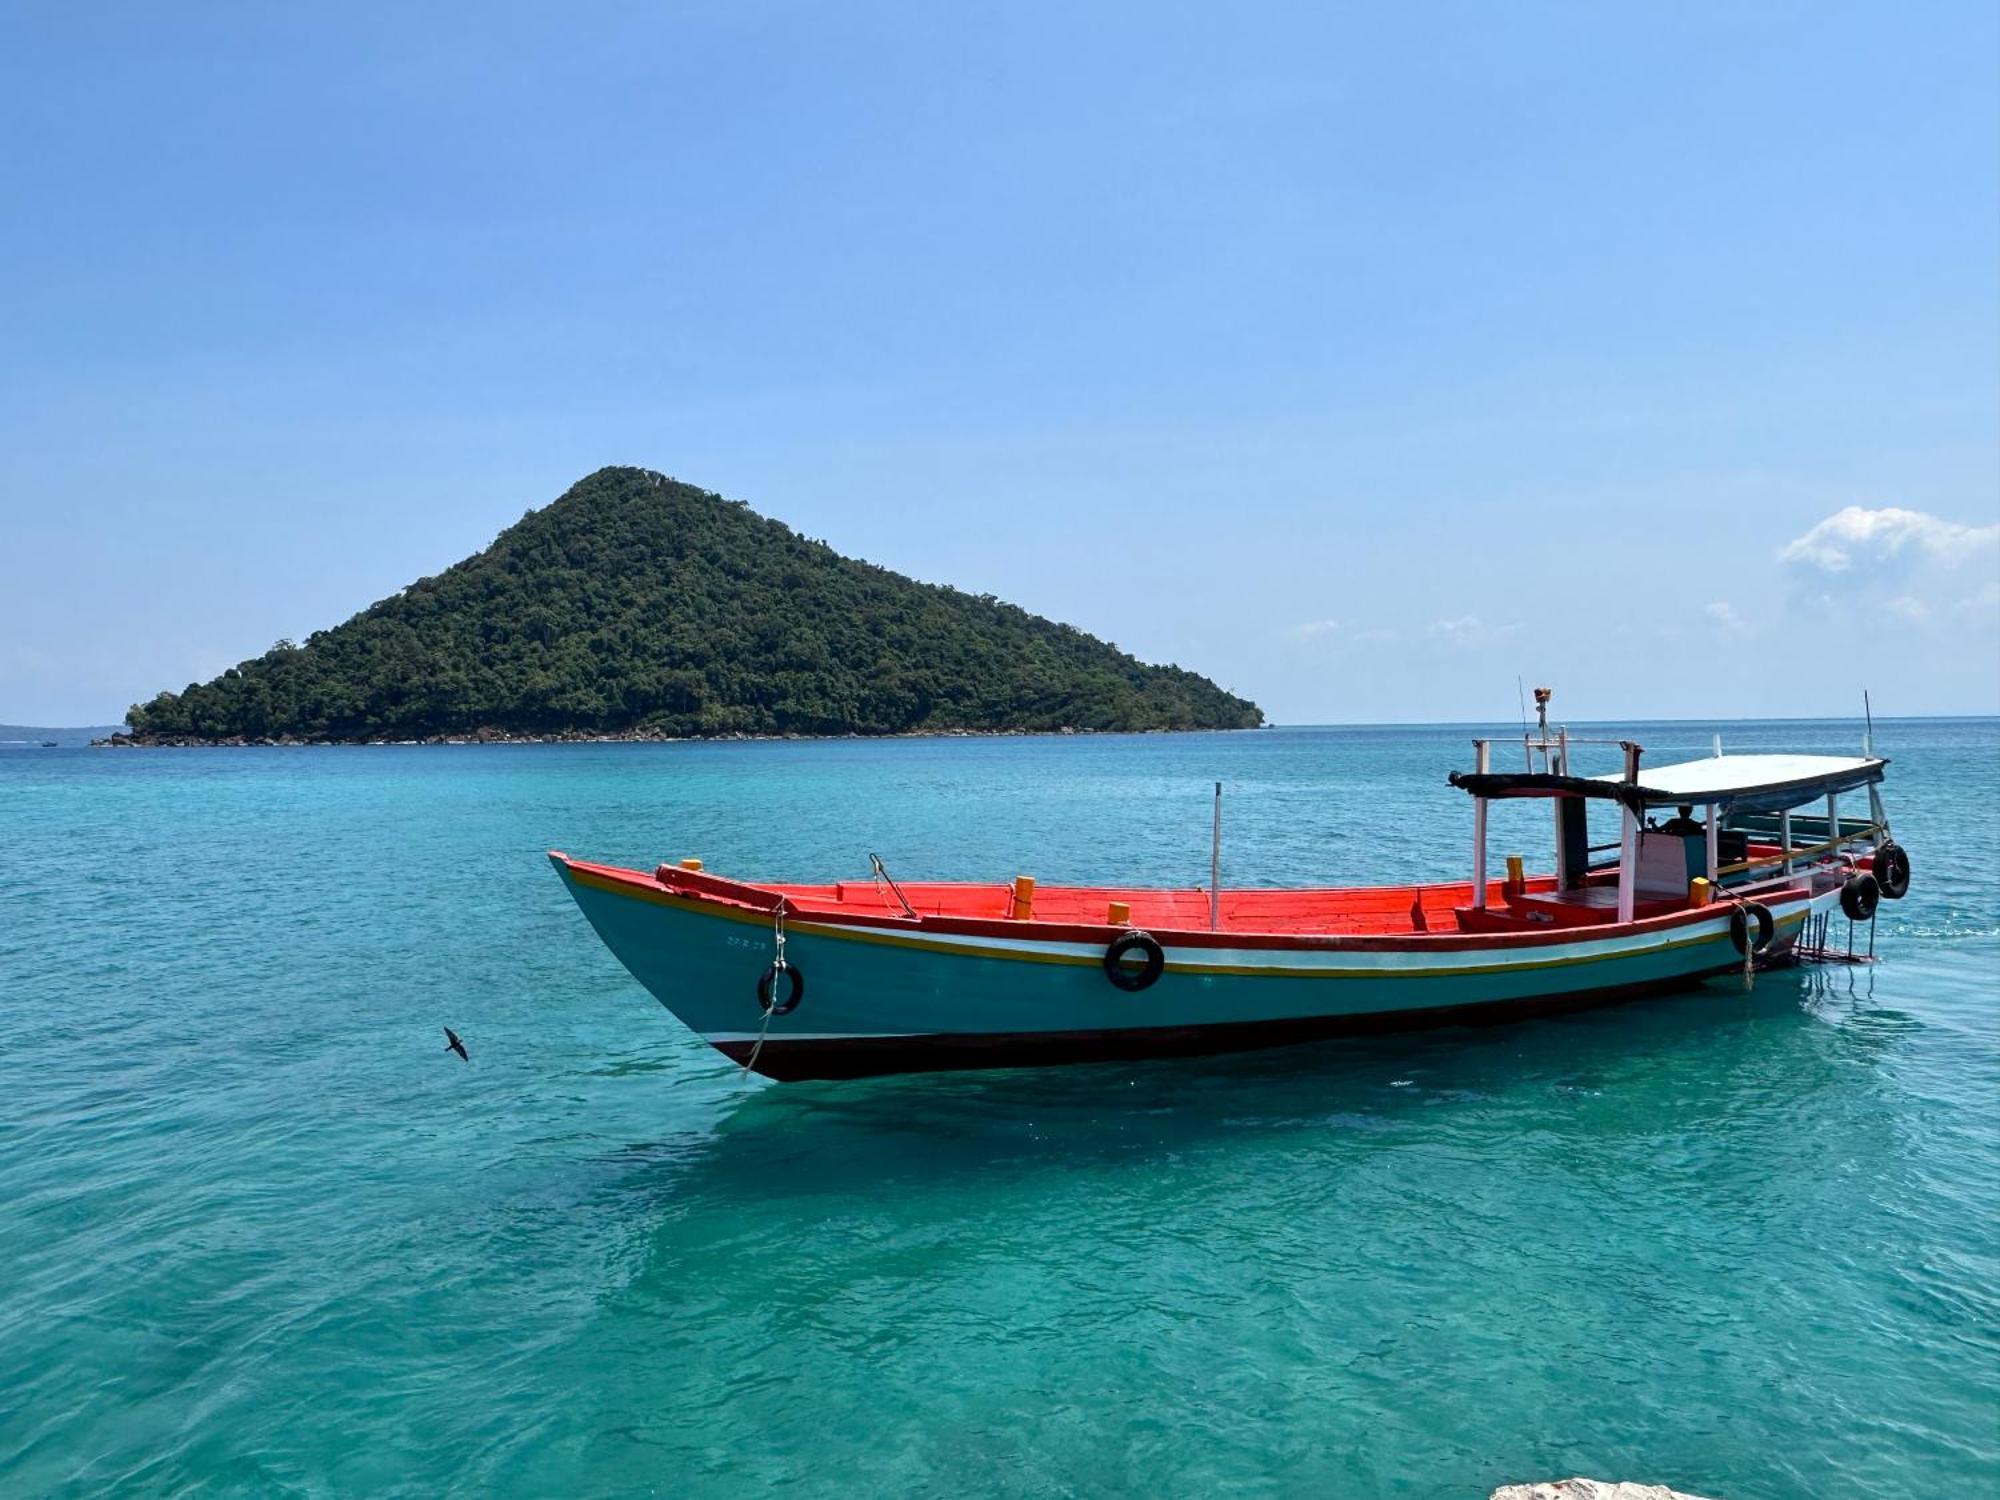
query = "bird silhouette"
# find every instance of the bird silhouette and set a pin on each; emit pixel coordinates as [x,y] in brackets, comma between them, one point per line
[453,1044]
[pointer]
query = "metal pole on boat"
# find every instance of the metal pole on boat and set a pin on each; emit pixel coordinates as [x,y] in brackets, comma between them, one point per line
[1215,866]
[1628,839]
[1482,757]
[1714,832]
[1785,838]
[1561,768]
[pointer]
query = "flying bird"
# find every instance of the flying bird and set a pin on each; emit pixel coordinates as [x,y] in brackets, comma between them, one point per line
[453,1044]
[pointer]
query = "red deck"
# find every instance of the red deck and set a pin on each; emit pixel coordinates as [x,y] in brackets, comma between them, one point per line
[1355,911]
[1442,910]
[1351,911]
[1439,917]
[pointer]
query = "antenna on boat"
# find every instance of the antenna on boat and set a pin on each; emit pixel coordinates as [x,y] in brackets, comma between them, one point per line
[1521,692]
[1868,737]
[1215,866]
[1541,741]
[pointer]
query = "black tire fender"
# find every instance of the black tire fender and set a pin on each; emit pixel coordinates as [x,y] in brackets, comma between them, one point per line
[1752,919]
[1130,979]
[1860,896]
[1892,870]
[767,989]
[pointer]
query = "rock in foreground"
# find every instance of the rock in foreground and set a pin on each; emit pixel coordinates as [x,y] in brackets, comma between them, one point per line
[1588,1489]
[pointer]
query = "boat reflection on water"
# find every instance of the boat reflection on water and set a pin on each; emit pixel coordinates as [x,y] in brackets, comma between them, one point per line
[1695,1069]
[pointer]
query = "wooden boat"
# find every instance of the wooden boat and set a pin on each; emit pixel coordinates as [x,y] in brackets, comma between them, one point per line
[866,977]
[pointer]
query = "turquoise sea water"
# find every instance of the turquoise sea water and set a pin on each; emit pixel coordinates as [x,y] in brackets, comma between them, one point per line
[260,1233]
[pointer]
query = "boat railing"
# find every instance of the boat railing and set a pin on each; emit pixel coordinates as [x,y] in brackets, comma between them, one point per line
[1873,832]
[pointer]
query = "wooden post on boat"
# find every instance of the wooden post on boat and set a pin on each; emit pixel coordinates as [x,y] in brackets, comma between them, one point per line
[1215,866]
[1023,907]
[1628,839]
[1482,759]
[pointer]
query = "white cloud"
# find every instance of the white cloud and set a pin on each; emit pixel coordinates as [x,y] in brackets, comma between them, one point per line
[1858,534]
[1907,566]
[1466,630]
[1311,628]
[1365,635]
[1723,616]
[1983,605]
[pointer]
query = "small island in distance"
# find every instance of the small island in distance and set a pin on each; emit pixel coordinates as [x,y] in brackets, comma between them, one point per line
[637,607]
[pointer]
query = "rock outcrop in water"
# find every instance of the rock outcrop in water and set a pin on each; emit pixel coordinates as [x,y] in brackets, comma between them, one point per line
[1587,1489]
[637,607]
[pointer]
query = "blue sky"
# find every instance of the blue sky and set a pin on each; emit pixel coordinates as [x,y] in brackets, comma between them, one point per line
[1360,357]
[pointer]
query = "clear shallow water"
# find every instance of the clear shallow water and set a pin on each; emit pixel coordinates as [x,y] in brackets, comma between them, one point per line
[261,1233]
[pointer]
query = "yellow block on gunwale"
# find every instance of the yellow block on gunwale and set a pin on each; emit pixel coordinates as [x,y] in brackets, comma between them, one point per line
[1024,897]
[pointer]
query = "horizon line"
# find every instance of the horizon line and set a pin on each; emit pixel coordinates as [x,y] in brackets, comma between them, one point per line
[121,726]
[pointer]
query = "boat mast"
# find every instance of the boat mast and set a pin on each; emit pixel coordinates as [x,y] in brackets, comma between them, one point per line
[1482,762]
[1215,866]
[1555,760]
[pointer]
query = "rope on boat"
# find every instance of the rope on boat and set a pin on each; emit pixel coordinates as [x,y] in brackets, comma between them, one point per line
[882,877]
[778,966]
[1742,908]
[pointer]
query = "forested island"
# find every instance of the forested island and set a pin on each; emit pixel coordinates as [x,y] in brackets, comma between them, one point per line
[635,606]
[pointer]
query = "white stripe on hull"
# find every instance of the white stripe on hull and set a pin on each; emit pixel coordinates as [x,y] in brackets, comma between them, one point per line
[1312,961]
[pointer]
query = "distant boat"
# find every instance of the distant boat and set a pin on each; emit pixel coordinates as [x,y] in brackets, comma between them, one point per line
[867,977]
[51,745]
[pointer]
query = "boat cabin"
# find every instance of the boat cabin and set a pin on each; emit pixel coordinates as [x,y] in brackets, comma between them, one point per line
[1724,827]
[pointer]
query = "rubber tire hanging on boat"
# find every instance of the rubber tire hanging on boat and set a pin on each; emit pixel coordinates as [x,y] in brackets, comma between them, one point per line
[1134,980]
[1739,926]
[1860,896]
[1892,870]
[767,986]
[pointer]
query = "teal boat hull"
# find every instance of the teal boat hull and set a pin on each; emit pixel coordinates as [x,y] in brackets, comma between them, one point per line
[878,996]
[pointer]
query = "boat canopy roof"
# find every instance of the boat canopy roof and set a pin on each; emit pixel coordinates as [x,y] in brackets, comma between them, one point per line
[1742,783]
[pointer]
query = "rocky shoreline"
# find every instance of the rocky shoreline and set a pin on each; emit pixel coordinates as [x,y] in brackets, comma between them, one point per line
[123,741]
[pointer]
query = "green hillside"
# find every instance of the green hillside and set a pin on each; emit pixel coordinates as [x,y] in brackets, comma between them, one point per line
[638,604]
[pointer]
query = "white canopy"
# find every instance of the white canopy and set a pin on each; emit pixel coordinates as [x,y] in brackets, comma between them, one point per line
[1765,781]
